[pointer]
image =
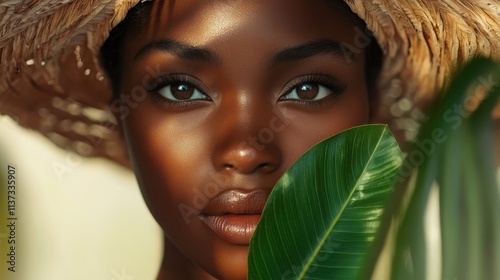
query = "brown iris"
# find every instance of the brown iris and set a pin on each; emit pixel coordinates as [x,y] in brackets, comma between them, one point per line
[307,91]
[182,91]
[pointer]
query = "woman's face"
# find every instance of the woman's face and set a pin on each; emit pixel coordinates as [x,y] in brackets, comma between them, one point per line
[236,92]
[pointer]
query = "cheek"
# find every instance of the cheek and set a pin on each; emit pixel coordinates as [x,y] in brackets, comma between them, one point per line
[305,129]
[169,155]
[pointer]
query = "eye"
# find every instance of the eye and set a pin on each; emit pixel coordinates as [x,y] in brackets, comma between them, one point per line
[308,92]
[181,91]
[313,89]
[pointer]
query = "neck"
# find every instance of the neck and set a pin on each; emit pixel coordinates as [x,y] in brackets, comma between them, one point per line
[176,266]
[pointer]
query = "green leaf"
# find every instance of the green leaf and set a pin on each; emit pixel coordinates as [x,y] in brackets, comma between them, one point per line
[322,216]
[460,164]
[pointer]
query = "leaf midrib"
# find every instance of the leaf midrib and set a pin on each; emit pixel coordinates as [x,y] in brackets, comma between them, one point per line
[325,237]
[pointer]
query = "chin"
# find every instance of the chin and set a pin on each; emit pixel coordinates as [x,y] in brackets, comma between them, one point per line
[230,262]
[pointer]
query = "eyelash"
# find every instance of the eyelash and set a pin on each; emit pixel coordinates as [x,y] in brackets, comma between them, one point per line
[335,86]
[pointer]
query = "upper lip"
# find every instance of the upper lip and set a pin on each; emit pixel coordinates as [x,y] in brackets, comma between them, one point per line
[235,201]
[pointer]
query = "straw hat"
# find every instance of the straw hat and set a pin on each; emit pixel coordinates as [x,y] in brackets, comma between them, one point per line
[51,80]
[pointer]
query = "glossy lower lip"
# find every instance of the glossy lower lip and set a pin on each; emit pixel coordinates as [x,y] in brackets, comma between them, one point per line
[236,229]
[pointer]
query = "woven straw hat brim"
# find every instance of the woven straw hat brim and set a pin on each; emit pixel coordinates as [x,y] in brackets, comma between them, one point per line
[51,80]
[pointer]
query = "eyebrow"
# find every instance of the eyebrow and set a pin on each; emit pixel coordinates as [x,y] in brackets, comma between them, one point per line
[291,54]
[178,49]
[313,48]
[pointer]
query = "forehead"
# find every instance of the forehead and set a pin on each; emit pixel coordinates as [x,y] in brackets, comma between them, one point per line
[201,22]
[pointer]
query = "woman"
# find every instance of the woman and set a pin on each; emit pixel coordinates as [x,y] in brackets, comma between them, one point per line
[236,88]
[216,99]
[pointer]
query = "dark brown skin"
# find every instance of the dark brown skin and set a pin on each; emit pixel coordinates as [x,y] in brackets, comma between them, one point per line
[179,149]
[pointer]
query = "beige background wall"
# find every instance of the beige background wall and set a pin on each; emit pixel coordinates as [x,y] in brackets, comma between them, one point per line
[78,219]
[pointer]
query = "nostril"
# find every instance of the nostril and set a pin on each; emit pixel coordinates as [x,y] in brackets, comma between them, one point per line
[228,166]
[263,166]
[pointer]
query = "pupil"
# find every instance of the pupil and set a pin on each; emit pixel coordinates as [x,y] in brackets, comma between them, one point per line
[182,91]
[308,91]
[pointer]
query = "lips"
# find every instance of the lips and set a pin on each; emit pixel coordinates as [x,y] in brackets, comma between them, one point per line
[233,215]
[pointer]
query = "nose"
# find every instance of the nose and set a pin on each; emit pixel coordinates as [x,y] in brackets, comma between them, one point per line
[244,158]
[245,143]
